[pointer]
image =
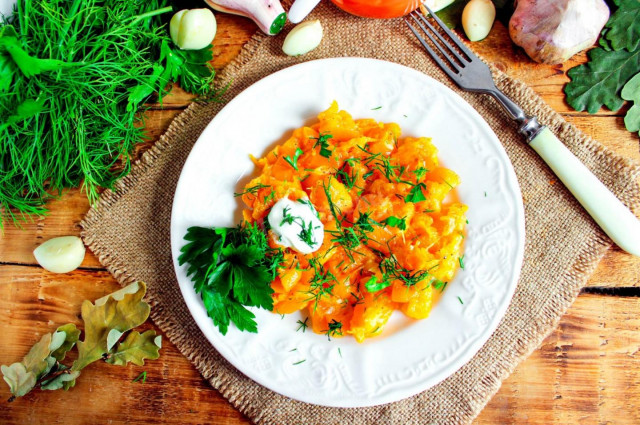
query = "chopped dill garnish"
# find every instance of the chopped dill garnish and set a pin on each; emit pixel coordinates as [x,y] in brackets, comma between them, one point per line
[306,234]
[302,325]
[460,299]
[461,261]
[299,362]
[253,190]
[142,377]
[376,108]
[335,328]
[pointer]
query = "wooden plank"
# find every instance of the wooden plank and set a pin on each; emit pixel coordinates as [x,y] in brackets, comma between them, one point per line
[33,303]
[587,370]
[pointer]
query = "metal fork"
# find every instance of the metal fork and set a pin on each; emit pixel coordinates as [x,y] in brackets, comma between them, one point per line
[471,74]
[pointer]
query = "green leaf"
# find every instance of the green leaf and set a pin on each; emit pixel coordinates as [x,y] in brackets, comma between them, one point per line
[135,349]
[373,285]
[231,268]
[216,308]
[112,338]
[599,81]
[72,334]
[400,223]
[416,193]
[64,380]
[253,286]
[99,320]
[624,26]
[631,92]
[20,380]
[36,360]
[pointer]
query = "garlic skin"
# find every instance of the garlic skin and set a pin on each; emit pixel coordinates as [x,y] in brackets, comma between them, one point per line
[193,29]
[551,31]
[303,38]
[477,19]
[60,255]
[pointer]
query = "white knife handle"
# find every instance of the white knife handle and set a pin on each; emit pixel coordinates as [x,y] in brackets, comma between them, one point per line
[614,218]
[300,9]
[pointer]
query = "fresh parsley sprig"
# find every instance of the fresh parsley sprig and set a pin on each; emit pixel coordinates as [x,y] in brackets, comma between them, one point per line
[231,268]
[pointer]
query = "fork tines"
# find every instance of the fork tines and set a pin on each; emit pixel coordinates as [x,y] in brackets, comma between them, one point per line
[457,59]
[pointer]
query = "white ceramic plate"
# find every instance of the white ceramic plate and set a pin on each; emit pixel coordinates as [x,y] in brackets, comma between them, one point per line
[410,356]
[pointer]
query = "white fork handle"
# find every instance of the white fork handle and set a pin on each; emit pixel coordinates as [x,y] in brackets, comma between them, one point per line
[614,218]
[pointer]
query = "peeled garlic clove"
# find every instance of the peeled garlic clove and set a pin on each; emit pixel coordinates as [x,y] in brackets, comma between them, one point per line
[60,255]
[303,38]
[193,29]
[477,19]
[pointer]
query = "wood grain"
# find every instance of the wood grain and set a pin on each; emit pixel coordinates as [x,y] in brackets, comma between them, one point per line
[582,373]
[587,371]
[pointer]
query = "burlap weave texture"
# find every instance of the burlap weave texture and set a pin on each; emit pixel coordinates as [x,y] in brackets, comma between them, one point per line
[129,231]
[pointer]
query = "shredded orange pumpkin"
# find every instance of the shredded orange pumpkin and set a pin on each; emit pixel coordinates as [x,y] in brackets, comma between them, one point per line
[391,240]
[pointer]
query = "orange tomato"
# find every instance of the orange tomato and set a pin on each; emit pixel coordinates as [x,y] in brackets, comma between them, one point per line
[378,8]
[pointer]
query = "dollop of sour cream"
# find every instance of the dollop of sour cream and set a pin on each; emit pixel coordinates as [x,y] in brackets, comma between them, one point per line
[296,225]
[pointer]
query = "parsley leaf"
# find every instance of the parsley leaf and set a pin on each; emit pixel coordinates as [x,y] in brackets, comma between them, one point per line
[400,223]
[231,268]
[373,285]
[323,141]
[416,193]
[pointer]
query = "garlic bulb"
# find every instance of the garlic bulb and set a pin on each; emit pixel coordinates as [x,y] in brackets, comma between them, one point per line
[193,29]
[60,255]
[551,31]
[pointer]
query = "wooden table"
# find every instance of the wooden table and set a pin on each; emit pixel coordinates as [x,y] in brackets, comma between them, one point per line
[586,371]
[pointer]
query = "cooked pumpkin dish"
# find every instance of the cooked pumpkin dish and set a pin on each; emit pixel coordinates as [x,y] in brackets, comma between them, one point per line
[363,220]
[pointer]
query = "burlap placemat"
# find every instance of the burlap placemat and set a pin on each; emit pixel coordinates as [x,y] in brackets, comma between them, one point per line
[129,232]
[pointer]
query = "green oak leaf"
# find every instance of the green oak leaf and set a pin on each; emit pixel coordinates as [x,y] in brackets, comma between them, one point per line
[113,337]
[124,314]
[23,376]
[135,349]
[623,27]
[72,334]
[64,380]
[37,359]
[599,81]
[631,92]
[20,380]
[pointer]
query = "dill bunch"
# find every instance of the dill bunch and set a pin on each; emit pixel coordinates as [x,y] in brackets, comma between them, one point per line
[74,77]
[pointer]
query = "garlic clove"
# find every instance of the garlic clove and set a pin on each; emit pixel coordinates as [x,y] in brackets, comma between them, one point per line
[60,255]
[193,29]
[303,38]
[477,19]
